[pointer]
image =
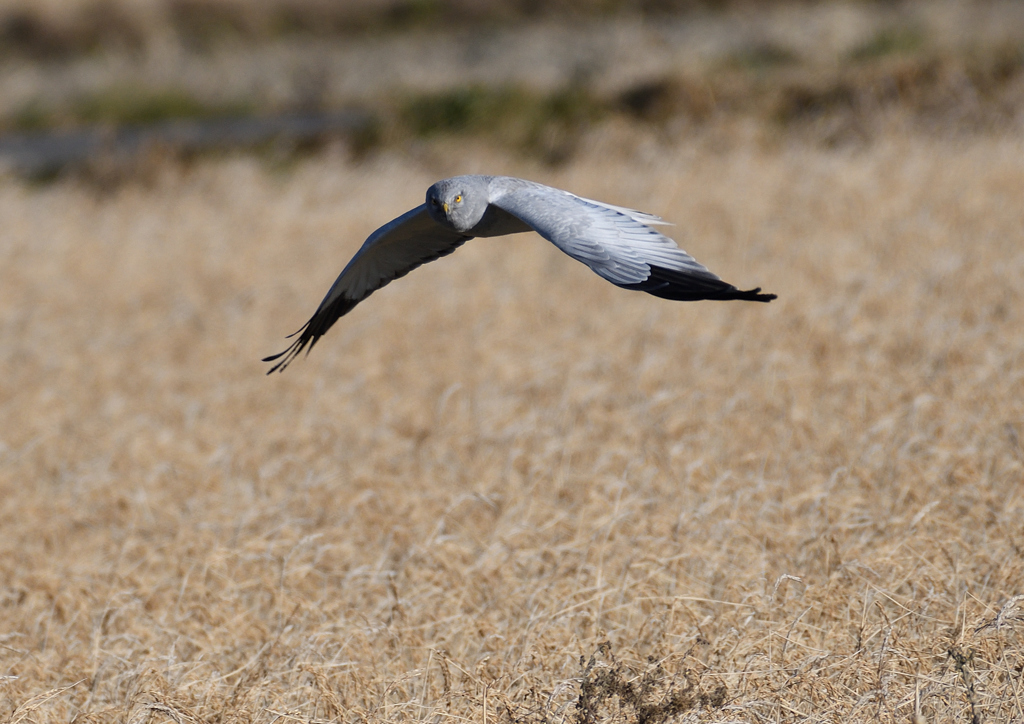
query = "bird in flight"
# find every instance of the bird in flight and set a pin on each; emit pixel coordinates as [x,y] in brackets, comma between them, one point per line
[618,244]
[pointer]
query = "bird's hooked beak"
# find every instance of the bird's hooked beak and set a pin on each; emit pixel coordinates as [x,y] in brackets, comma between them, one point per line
[445,206]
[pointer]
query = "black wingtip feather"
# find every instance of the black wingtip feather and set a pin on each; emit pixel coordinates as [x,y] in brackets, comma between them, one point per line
[287,355]
[689,286]
[754,295]
[310,333]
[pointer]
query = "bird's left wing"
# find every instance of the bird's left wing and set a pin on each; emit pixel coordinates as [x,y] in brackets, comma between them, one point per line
[392,251]
[615,242]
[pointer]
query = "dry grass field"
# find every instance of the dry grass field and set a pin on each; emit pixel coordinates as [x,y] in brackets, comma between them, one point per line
[503,490]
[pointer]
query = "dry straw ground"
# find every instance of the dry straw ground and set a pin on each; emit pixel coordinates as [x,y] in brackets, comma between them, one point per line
[503,490]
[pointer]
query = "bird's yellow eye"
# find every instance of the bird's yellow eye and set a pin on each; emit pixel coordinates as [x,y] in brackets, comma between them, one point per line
[458,199]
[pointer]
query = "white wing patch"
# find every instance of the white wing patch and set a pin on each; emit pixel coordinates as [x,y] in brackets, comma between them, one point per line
[616,243]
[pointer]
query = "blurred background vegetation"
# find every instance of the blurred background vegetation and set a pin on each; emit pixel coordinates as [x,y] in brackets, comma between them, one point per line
[530,77]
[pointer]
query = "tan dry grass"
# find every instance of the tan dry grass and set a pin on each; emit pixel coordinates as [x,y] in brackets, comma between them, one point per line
[810,510]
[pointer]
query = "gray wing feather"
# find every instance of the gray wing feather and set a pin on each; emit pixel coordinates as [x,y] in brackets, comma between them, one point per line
[616,243]
[641,216]
[392,251]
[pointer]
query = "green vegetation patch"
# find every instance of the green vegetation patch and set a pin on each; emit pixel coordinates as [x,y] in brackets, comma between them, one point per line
[890,41]
[33,116]
[762,56]
[122,106]
[461,110]
[548,124]
[502,111]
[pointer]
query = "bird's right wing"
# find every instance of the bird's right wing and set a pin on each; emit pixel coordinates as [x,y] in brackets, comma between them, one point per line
[392,251]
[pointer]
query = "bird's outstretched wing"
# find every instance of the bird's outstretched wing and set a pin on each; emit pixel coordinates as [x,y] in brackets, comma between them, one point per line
[392,251]
[616,243]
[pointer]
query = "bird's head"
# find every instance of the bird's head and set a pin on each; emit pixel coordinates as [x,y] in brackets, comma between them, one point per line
[458,203]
